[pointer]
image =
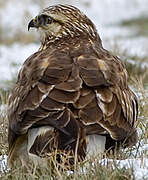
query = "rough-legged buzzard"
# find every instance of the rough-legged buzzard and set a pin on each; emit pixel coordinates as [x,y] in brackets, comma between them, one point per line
[68,91]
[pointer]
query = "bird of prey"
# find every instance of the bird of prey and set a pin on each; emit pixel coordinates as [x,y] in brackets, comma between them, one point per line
[68,91]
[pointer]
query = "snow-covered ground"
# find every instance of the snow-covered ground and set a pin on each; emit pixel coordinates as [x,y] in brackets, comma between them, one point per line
[139,166]
[12,57]
[104,13]
[3,164]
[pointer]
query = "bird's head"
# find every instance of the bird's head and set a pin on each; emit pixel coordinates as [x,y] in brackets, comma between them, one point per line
[60,21]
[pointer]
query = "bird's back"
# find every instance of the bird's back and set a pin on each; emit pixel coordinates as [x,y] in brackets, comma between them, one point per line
[68,92]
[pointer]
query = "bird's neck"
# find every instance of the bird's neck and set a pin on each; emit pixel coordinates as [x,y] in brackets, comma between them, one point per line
[69,41]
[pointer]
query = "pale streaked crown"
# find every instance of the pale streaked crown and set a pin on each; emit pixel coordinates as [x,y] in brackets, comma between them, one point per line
[60,21]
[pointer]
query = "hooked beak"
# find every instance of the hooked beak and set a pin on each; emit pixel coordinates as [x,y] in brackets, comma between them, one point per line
[33,24]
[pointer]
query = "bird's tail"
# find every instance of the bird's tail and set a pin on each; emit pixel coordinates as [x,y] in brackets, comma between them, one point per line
[18,151]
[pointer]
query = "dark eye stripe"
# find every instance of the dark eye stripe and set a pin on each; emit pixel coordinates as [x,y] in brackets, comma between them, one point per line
[44,19]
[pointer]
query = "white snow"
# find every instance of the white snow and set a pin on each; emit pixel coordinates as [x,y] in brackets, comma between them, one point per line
[13,15]
[136,46]
[3,164]
[140,166]
[12,57]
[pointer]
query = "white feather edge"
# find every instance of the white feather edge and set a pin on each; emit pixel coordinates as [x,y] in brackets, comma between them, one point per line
[95,146]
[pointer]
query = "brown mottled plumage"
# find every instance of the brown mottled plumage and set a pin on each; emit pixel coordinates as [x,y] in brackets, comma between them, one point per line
[69,89]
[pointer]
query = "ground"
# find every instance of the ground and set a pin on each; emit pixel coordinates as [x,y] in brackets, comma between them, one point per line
[123,28]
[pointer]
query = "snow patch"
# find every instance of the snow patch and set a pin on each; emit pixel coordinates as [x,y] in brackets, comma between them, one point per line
[140,166]
[3,164]
[12,58]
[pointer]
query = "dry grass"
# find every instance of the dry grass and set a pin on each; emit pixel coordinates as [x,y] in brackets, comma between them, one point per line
[89,170]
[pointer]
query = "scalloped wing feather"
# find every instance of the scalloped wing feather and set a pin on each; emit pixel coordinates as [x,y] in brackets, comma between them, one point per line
[87,92]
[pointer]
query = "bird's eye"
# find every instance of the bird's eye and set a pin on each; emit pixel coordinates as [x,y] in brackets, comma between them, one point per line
[47,19]
[44,20]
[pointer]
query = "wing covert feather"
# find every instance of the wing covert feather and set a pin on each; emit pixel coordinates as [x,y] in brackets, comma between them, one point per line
[42,82]
[117,105]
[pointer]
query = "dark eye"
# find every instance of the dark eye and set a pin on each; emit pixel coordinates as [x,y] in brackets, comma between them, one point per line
[44,20]
[47,19]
